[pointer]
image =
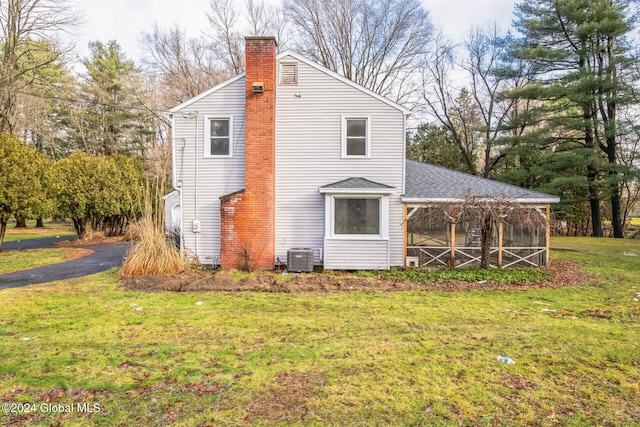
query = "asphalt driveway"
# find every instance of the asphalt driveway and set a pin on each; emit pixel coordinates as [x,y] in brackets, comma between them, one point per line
[104,257]
[45,242]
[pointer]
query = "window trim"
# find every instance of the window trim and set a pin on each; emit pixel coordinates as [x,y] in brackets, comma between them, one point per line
[207,137]
[330,217]
[367,147]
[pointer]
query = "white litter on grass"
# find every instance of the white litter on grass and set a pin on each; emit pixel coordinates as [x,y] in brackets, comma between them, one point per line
[133,304]
[28,338]
[636,299]
[547,310]
[629,254]
[540,303]
[138,308]
[199,303]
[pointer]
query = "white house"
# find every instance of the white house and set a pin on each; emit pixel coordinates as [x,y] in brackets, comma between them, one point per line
[291,155]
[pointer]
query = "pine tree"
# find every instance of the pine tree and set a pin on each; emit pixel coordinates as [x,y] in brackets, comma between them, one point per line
[578,50]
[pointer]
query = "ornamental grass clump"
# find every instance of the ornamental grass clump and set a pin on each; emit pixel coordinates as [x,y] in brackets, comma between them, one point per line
[152,254]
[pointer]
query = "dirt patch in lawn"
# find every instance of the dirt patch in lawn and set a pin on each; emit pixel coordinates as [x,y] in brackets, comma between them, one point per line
[92,239]
[75,253]
[564,273]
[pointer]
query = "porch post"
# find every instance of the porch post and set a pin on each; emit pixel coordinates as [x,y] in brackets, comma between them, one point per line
[452,259]
[404,226]
[500,234]
[547,236]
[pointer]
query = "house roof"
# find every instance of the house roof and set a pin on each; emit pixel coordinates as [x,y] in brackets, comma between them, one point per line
[425,182]
[356,185]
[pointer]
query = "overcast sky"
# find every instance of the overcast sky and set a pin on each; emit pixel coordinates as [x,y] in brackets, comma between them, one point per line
[125,20]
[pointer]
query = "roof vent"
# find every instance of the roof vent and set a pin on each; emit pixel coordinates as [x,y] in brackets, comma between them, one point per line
[289,73]
[257,87]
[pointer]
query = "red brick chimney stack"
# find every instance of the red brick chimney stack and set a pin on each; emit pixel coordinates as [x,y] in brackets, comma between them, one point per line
[248,218]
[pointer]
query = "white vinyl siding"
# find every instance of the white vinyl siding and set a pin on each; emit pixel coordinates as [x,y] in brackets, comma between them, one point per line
[309,123]
[356,254]
[204,179]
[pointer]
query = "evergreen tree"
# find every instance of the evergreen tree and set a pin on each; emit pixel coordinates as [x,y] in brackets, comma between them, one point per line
[109,117]
[434,144]
[577,49]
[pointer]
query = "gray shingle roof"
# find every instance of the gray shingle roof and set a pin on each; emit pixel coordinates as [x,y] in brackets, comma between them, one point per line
[426,182]
[356,184]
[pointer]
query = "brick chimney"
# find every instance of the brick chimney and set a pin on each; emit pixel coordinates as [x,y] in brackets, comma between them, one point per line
[248,217]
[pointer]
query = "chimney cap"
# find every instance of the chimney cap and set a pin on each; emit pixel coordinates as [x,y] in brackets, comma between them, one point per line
[249,38]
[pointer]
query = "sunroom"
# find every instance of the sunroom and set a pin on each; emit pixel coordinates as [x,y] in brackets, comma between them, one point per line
[453,220]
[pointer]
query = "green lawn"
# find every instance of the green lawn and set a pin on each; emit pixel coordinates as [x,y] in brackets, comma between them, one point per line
[396,358]
[23,259]
[51,229]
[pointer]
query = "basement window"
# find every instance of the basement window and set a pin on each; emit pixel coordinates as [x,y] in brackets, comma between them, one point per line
[288,73]
[218,141]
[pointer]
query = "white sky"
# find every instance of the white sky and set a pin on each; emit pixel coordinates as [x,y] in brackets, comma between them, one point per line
[125,20]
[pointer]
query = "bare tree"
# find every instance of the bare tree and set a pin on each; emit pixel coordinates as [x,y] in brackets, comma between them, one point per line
[23,22]
[379,44]
[186,66]
[479,117]
[229,26]
[227,40]
[267,20]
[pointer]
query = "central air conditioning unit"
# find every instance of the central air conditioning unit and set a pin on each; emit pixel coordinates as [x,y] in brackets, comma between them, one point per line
[300,260]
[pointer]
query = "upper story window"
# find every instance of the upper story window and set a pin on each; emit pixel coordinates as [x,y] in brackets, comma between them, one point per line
[288,73]
[355,137]
[218,140]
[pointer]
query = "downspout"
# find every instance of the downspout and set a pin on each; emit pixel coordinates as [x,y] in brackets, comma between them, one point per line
[196,221]
[175,180]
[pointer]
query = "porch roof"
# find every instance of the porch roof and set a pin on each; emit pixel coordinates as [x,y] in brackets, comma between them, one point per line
[425,182]
[356,185]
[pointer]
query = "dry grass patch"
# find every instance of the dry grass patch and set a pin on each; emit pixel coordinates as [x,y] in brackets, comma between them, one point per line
[152,254]
[287,400]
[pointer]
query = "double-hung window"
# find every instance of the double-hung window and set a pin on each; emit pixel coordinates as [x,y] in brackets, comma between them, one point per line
[218,137]
[355,137]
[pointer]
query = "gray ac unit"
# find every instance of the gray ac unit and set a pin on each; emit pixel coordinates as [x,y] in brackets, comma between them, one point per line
[300,260]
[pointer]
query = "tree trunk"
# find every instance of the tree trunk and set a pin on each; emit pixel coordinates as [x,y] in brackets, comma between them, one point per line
[594,203]
[617,220]
[4,219]
[487,238]
[21,223]
[80,225]
[39,223]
